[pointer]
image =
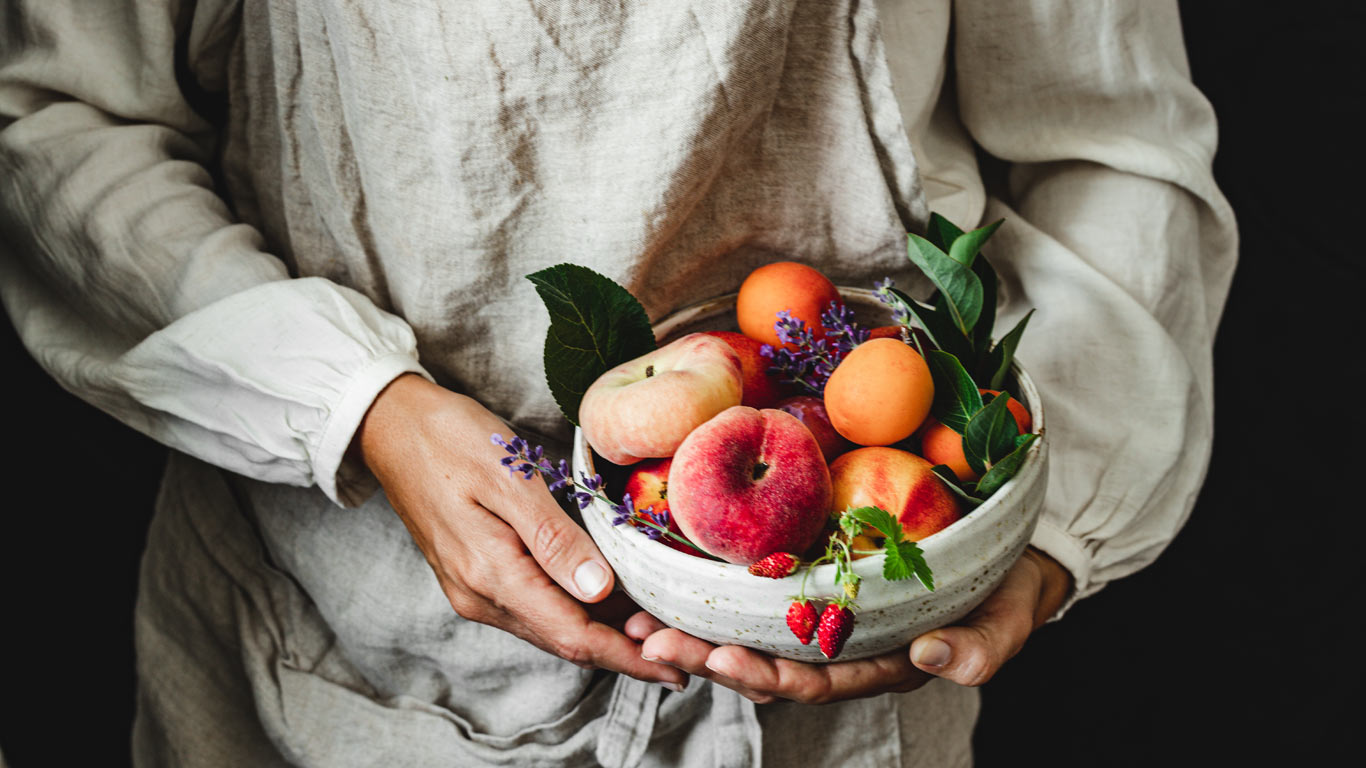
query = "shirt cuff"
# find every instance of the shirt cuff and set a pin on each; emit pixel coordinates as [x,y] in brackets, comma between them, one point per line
[348,482]
[1071,554]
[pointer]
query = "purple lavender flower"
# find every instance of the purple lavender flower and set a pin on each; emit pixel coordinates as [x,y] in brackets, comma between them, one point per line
[841,329]
[528,460]
[623,511]
[884,294]
[813,360]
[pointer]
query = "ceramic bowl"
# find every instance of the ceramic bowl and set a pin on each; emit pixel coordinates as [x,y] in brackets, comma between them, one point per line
[723,604]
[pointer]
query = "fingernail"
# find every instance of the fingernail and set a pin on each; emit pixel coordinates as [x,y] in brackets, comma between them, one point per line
[720,668]
[590,578]
[675,687]
[933,653]
[649,658]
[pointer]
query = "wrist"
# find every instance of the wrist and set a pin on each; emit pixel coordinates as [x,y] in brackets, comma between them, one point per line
[1055,584]
[388,421]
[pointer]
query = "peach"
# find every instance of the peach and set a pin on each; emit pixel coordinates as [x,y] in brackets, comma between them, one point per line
[783,285]
[749,483]
[941,445]
[760,389]
[646,407]
[811,411]
[879,393]
[899,482]
[648,485]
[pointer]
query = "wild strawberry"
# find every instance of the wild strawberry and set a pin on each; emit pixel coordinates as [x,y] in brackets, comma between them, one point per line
[837,623]
[778,565]
[801,619]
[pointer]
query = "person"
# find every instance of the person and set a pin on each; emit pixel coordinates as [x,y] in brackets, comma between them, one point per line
[288,240]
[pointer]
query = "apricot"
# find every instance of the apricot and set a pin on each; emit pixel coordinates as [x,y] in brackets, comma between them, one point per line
[879,393]
[783,285]
[941,445]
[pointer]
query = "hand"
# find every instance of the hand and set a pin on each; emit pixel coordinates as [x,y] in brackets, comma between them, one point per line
[503,551]
[968,653]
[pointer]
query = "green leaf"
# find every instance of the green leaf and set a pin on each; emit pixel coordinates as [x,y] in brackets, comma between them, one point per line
[595,325]
[965,247]
[942,232]
[990,435]
[961,289]
[997,364]
[956,398]
[951,480]
[879,519]
[1004,469]
[905,560]
[850,525]
[981,334]
[938,325]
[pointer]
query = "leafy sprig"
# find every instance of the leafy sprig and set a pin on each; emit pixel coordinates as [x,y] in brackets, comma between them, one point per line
[595,325]
[529,460]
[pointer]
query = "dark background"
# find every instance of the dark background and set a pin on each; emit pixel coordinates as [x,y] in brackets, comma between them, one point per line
[1239,646]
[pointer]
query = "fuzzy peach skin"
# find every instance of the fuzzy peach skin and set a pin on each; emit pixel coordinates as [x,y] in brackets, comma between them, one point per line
[749,483]
[897,481]
[644,408]
[761,389]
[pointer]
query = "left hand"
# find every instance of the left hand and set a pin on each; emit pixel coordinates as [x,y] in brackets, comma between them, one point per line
[968,653]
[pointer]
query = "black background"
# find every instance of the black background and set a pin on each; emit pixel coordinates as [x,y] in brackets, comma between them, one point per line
[1240,645]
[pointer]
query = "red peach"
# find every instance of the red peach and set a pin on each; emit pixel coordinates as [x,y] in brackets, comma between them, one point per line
[648,485]
[899,482]
[749,483]
[811,411]
[760,389]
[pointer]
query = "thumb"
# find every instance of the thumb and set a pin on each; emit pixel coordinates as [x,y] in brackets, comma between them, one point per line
[970,653]
[564,550]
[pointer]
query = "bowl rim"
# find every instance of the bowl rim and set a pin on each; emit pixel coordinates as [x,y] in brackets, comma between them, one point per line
[867,566]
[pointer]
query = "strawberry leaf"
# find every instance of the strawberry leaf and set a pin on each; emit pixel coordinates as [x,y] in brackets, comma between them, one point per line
[595,325]
[878,519]
[956,398]
[904,560]
[1004,469]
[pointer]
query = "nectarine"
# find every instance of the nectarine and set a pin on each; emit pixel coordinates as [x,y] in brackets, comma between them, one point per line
[899,482]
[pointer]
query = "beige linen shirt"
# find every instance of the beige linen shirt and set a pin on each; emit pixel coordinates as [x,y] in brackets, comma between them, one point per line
[381,178]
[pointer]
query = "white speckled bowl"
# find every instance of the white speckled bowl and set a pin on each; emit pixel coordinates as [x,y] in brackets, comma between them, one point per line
[722,603]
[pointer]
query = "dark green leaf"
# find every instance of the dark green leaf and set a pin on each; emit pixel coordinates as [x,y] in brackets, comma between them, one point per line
[964,248]
[938,325]
[991,433]
[595,325]
[997,364]
[904,560]
[963,493]
[1004,469]
[879,519]
[961,289]
[981,334]
[942,232]
[956,398]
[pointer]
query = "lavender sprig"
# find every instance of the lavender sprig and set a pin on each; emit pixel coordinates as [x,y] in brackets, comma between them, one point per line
[809,365]
[884,294]
[527,460]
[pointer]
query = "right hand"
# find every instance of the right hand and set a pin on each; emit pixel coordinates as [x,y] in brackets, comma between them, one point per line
[504,552]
